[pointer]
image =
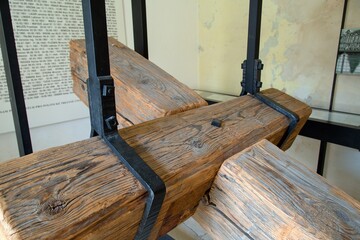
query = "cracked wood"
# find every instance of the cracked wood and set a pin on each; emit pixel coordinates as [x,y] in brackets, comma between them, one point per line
[82,191]
[261,193]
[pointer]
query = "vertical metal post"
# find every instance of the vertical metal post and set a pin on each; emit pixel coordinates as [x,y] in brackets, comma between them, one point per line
[252,65]
[139,27]
[333,87]
[103,113]
[99,69]
[12,71]
[321,158]
[323,144]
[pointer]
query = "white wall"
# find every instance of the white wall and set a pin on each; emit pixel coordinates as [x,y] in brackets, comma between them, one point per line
[173,38]
[46,136]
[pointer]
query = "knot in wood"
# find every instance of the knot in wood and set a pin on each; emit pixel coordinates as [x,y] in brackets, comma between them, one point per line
[197,143]
[176,98]
[144,81]
[53,207]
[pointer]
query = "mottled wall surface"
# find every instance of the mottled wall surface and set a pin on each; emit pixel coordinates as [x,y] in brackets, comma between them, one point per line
[298,46]
[222,44]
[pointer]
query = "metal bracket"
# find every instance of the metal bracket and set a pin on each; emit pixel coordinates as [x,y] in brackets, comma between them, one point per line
[251,82]
[103,113]
[254,85]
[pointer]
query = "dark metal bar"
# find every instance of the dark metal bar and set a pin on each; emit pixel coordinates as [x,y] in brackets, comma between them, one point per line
[333,87]
[147,177]
[140,27]
[321,158]
[99,67]
[253,66]
[103,113]
[342,134]
[294,118]
[12,71]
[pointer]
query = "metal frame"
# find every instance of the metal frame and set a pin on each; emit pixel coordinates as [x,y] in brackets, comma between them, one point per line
[333,87]
[13,78]
[323,144]
[252,66]
[325,131]
[139,27]
[102,99]
[341,134]
[103,112]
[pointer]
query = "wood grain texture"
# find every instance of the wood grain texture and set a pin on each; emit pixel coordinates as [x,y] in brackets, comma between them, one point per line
[69,191]
[185,150]
[143,91]
[260,193]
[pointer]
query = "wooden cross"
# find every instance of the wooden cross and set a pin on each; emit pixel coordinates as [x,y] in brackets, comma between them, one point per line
[82,191]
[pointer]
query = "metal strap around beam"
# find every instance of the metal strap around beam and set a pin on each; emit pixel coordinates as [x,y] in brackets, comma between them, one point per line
[103,113]
[252,66]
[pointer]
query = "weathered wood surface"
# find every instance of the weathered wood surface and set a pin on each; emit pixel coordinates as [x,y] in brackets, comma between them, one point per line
[261,193]
[81,190]
[143,91]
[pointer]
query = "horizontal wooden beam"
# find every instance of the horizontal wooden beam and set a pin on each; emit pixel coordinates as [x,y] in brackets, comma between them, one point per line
[82,190]
[143,91]
[261,193]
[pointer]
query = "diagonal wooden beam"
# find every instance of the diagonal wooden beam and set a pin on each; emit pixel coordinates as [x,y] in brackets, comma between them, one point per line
[261,193]
[143,91]
[81,190]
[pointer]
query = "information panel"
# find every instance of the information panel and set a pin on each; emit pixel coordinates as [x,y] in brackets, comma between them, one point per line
[43,29]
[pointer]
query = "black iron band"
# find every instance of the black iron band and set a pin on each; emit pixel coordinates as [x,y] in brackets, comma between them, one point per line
[252,66]
[103,113]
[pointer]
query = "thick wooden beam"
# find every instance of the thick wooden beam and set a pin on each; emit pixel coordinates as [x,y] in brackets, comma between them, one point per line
[81,190]
[143,91]
[261,193]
